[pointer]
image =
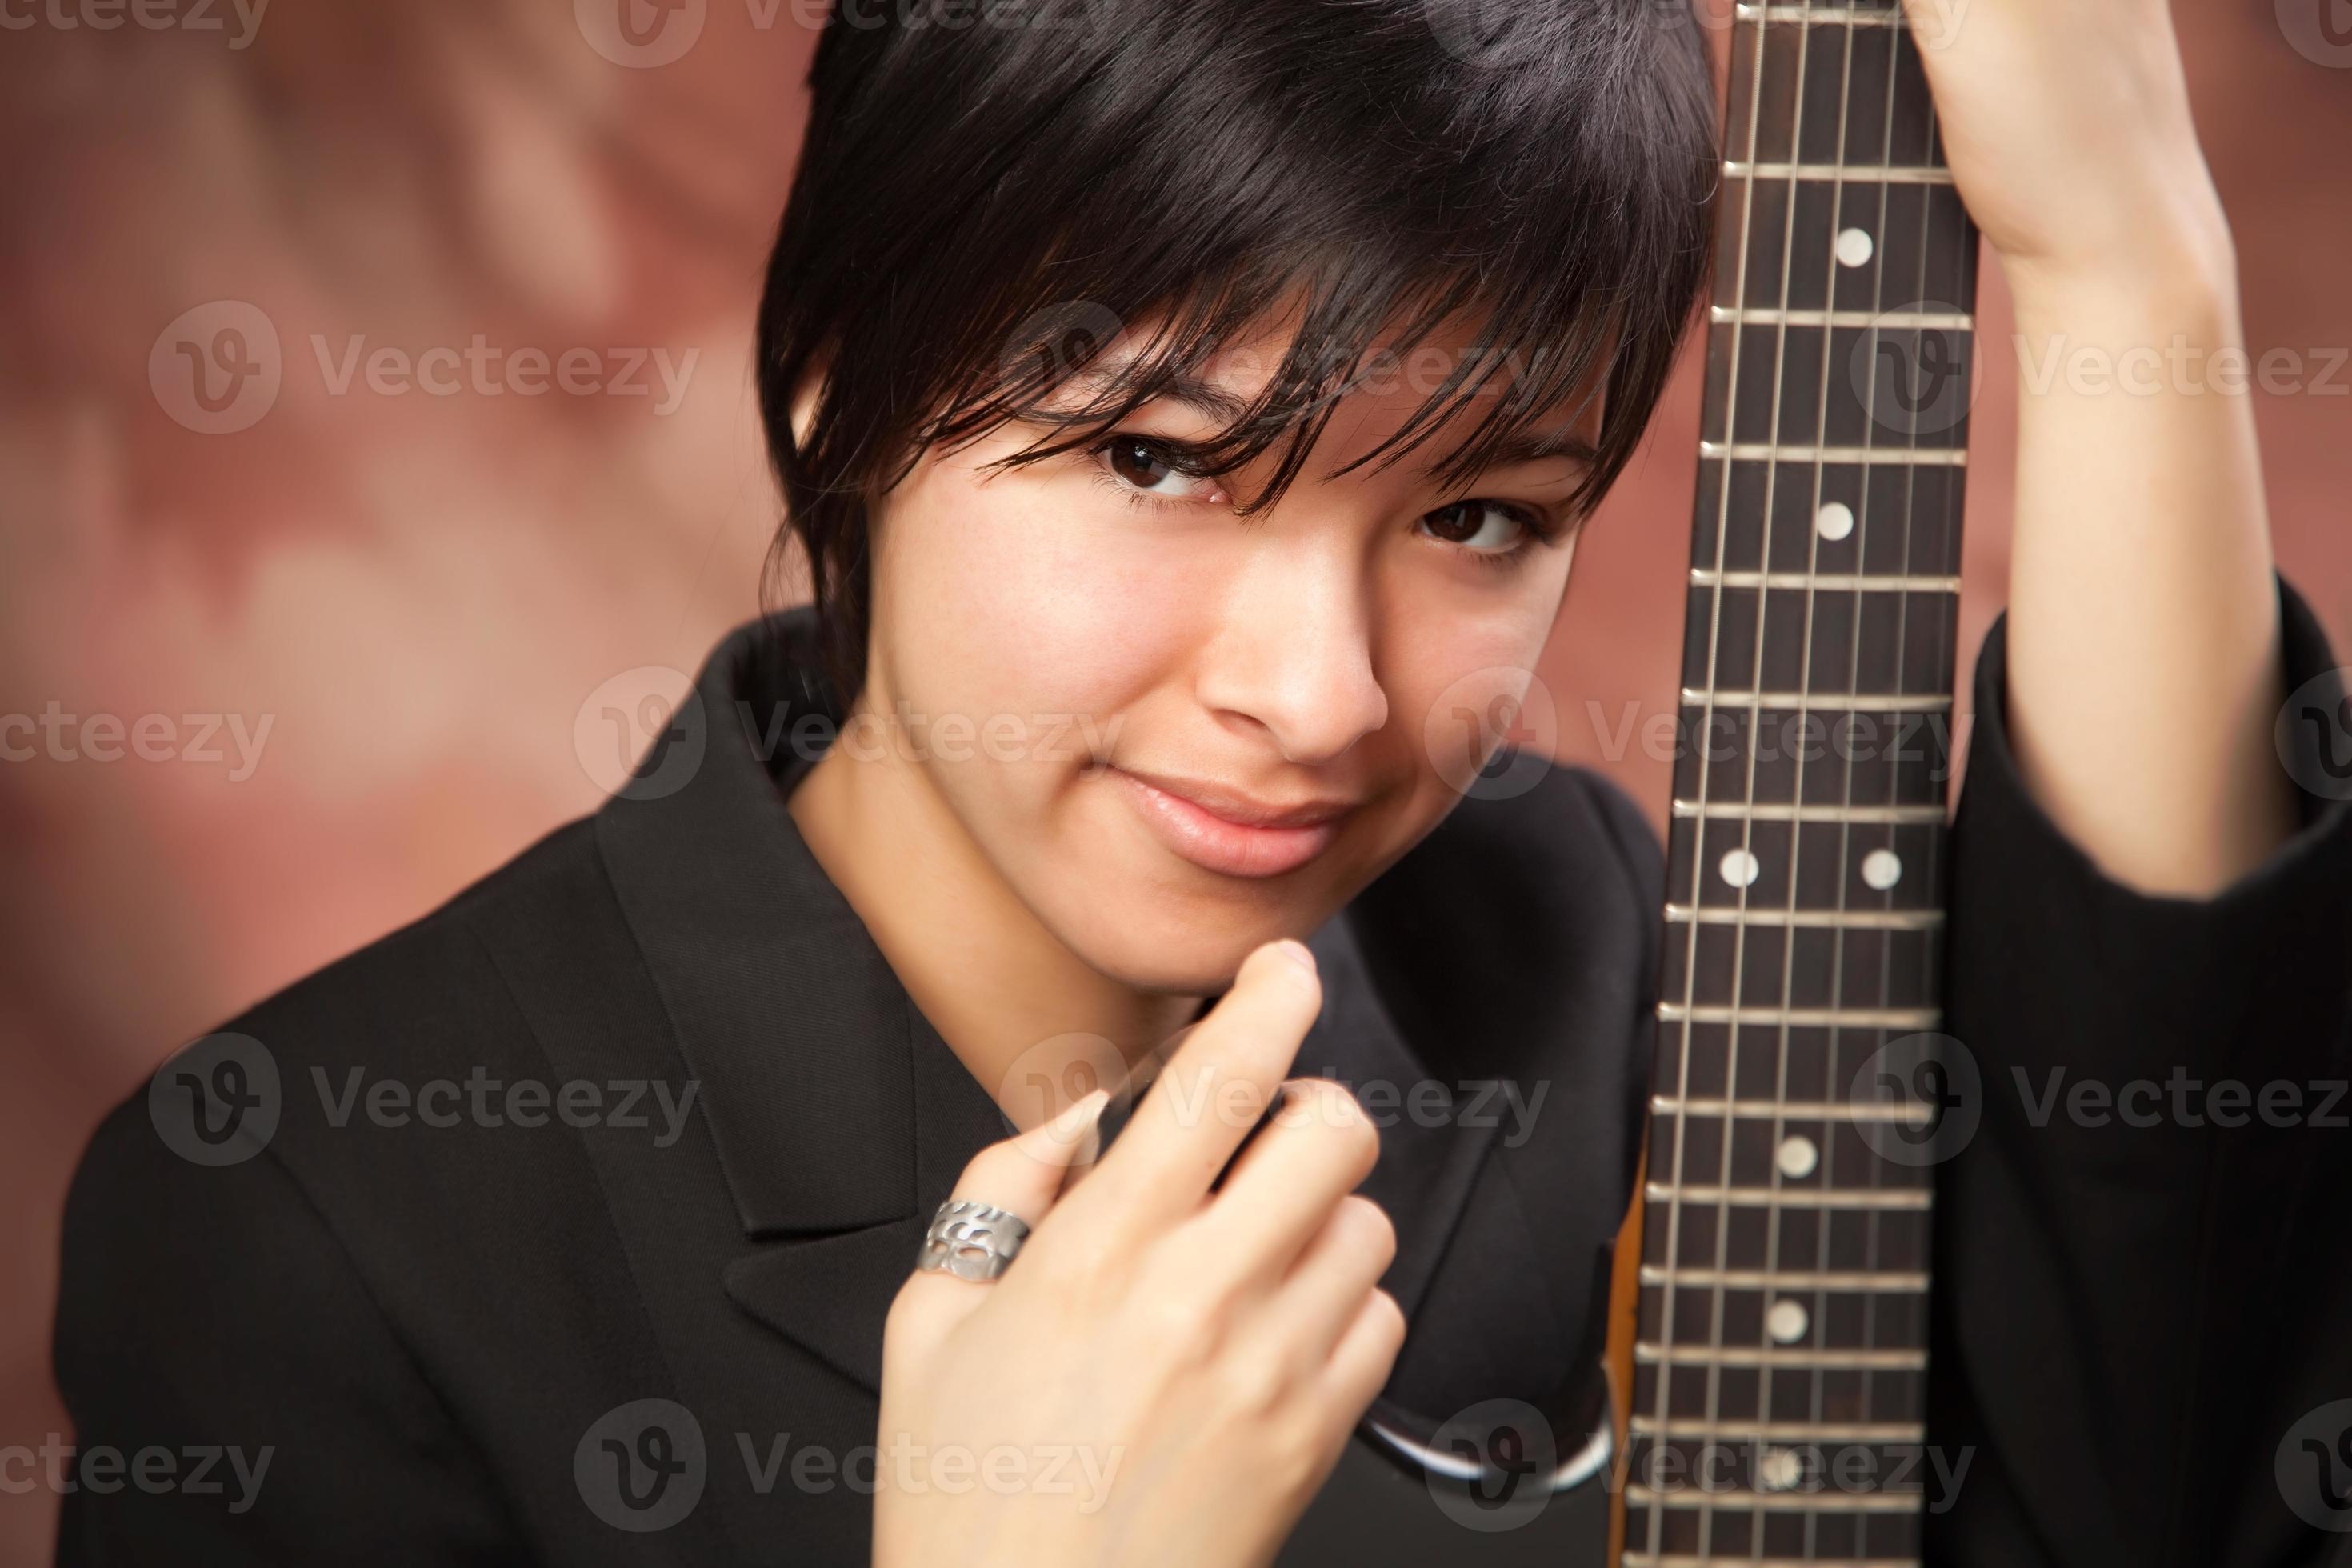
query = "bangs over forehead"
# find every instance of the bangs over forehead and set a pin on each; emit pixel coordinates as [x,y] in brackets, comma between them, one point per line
[982,210]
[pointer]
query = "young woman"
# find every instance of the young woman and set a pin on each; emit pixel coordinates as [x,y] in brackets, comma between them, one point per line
[1186,412]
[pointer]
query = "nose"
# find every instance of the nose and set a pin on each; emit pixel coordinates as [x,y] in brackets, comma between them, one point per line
[1293,653]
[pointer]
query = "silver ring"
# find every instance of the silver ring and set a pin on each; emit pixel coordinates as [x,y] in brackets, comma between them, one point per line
[971,1241]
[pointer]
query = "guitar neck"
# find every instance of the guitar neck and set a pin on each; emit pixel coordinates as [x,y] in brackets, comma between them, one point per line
[1781,1359]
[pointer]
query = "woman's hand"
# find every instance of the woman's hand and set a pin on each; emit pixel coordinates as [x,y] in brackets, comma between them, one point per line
[1188,1363]
[2143,669]
[2067,126]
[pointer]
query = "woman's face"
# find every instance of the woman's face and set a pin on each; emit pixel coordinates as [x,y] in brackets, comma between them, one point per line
[1174,733]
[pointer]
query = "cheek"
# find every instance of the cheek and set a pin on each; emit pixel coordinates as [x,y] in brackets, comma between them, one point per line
[1002,602]
[1462,681]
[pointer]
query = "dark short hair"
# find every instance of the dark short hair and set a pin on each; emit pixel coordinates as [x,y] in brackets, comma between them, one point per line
[991,188]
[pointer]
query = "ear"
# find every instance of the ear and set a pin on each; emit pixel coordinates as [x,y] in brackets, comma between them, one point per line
[806,395]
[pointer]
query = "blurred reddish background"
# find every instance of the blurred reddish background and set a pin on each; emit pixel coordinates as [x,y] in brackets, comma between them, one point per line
[418,593]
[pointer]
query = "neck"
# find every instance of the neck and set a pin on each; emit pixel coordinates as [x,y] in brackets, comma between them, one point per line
[987,973]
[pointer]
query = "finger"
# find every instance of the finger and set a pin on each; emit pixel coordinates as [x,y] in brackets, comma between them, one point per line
[1366,1353]
[1326,1287]
[1023,1176]
[1214,1088]
[1316,1151]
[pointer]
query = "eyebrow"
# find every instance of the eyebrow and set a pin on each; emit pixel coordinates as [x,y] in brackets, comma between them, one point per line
[1215,404]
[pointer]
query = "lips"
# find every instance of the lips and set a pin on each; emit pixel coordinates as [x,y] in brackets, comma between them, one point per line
[1223,831]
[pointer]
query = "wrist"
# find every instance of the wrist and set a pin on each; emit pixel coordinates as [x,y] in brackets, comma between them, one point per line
[2182,276]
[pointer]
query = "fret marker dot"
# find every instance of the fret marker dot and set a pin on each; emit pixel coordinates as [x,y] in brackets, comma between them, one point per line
[1780,1469]
[1834,521]
[1854,248]
[1797,1157]
[1787,1322]
[1882,869]
[1741,869]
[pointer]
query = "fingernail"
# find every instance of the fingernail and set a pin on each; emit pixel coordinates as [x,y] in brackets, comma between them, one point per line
[1080,1113]
[1297,952]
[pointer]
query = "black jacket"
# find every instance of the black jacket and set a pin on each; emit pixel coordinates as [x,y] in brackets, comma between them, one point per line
[641,1131]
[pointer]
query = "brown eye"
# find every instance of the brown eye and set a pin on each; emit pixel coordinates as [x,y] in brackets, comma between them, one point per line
[1139,464]
[1481,525]
[1145,466]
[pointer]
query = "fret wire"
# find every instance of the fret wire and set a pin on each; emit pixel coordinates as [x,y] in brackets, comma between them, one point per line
[1838,19]
[1843,815]
[1858,920]
[1786,1431]
[1803,1017]
[1775,453]
[1827,173]
[1633,1558]
[1818,1280]
[1765,315]
[1773,1502]
[1823,1111]
[1854,702]
[1856,1198]
[1840,582]
[1650,1354]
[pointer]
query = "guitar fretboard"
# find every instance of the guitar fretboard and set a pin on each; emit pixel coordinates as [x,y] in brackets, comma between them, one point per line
[1781,1353]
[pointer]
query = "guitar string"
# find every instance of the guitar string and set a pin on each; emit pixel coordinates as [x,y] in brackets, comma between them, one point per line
[1767,539]
[1773,1218]
[1664,1366]
[1943,660]
[1748,842]
[1876,1221]
[1866,1391]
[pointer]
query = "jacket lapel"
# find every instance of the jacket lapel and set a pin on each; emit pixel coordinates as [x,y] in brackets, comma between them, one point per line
[828,1294]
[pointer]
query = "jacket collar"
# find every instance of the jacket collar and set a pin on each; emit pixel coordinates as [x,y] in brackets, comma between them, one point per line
[840,1117]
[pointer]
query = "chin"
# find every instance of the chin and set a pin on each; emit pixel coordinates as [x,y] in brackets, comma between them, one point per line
[1188,946]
